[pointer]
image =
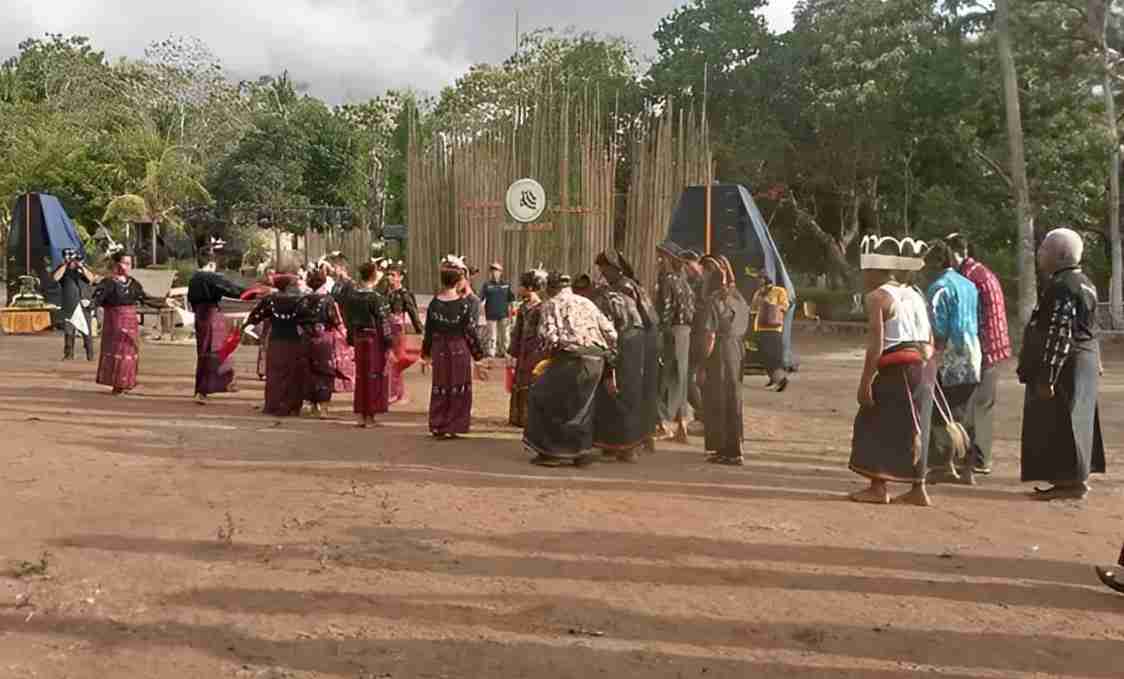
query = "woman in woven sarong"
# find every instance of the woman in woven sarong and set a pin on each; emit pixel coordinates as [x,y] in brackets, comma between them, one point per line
[725,321]
[205,292]
[581,344]
[403,316]
[262,289]
[891,432]
[287,359]
[320,324]
[620,418]
[343,354]
[526,349]
[619,275]
[452,348]
[1060,366]
[118,295]
[370,332]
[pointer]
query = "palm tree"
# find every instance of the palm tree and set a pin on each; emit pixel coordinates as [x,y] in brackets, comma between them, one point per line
[170,182]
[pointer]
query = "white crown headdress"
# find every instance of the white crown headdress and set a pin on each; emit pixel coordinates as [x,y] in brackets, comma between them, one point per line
[454,262]
[908,254]
[217,243]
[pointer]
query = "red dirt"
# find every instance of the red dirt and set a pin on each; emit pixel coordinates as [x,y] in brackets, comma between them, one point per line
[383,553]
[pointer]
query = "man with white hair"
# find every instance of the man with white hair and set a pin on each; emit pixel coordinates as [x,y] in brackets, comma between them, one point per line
[1060,366]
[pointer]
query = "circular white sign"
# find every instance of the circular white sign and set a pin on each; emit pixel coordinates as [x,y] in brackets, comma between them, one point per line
[526,200]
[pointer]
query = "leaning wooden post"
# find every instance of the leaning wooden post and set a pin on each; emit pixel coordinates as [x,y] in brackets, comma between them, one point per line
[27,237]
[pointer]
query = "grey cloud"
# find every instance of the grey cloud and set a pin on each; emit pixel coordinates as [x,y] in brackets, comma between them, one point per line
[345,50]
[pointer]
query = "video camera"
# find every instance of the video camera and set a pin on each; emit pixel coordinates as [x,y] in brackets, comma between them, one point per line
[71,256]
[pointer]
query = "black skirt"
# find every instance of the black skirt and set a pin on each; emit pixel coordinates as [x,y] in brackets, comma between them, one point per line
[560,407]
[621,421]
[1061,437]
[891,439]
[722,396]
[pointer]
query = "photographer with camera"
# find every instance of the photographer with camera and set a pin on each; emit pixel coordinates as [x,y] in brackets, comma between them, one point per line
[75,280]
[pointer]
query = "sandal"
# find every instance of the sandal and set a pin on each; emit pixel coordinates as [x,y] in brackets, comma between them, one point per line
[1108,577]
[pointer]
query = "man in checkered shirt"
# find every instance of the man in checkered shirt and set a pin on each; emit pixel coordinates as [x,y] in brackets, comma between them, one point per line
[995,341]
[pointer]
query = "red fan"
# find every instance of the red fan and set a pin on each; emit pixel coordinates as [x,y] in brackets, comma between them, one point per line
[509,379]
[230,344]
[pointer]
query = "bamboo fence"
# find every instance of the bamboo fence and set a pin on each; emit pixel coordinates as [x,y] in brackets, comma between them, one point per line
[457,185]
[670,151]
[569,142]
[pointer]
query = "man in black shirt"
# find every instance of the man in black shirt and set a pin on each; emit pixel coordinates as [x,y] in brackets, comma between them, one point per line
[75,280]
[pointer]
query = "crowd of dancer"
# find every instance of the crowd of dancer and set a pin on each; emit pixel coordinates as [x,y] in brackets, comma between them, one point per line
[587,353]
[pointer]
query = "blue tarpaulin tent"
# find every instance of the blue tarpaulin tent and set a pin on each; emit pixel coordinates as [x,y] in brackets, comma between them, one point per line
[40,229]
[740,233]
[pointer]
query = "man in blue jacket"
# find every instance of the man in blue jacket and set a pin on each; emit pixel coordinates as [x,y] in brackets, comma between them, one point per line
[498,298]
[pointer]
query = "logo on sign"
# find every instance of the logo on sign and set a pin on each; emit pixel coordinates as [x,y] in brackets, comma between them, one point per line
[526,200]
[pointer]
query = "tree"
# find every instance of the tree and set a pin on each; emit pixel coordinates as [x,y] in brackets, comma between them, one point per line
[171,182]
[1099,17]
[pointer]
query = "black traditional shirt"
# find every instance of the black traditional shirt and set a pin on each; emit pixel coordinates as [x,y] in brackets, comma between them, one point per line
[634,291]
[675,300]
[453,318]
[208,287]
[317,311]
[618,308]
[283,311]
[110,292]
[1067,309]
[402,301]
[367,310]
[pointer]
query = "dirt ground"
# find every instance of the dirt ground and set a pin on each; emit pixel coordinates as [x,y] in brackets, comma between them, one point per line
[150,537]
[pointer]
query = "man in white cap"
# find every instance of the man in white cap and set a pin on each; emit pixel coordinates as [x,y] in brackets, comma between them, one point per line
[498,298]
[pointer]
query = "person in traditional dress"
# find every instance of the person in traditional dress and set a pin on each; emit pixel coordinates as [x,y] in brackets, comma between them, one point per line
[452,349]
[769,307]
[675,306]
[320,324]
[891,431]
[1060,366]
[118,295]
[526,350]
[954,311]
[371,333]
[725,321]
[75,279]
[580,343]
[403,309]
[693,269]
[620,420]
[995,345]
[619,275]
[1113,576]
[260,290]
[339,287]
[287,360]
[205,292]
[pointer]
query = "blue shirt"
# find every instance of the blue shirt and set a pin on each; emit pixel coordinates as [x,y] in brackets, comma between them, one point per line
[497,300]
[954,304]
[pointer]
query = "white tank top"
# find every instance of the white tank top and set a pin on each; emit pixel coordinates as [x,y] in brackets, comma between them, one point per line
[910,317]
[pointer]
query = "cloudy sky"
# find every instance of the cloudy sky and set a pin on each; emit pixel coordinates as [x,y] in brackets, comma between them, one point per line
[343,49]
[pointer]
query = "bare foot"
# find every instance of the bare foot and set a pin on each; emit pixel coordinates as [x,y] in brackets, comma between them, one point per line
[681,435]
[918,497]
[871,496]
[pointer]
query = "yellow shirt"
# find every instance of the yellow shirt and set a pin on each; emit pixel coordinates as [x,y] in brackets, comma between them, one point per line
[770,294]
